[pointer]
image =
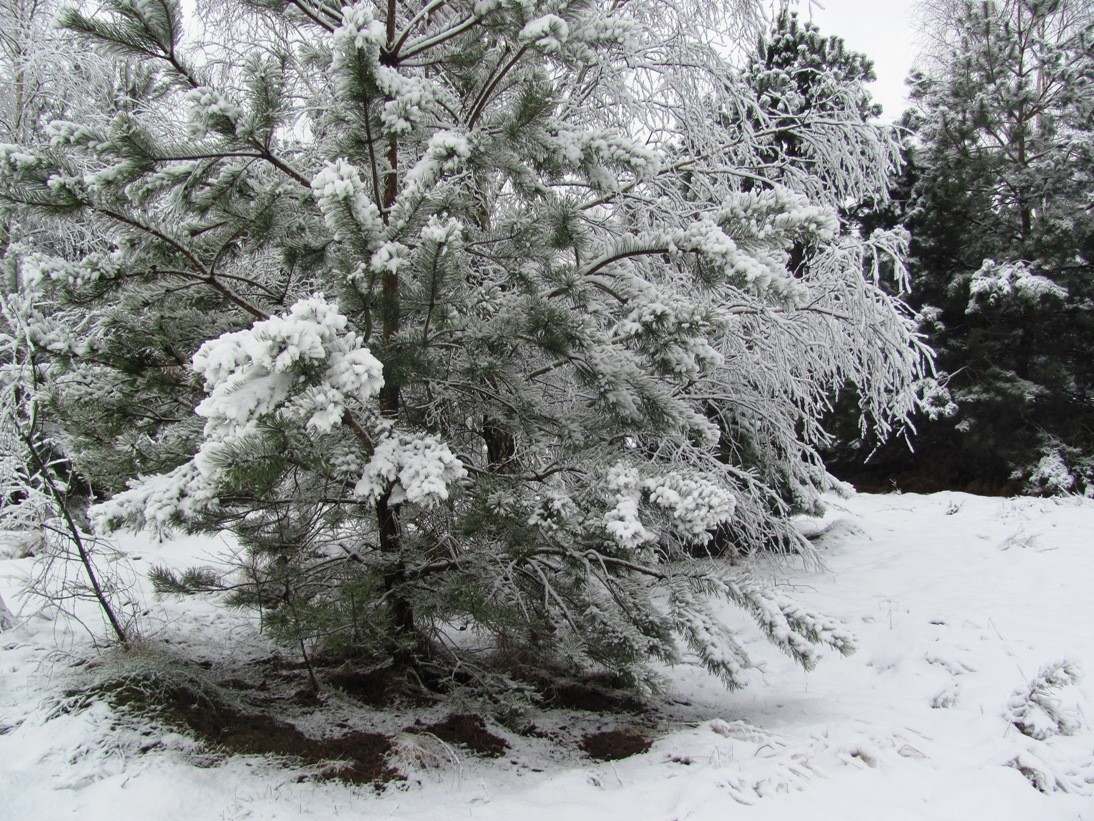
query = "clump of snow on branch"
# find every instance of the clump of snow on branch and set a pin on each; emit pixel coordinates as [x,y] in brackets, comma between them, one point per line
[344,201]
[622,521]
[15,158]
[695,505]
[306,367]
[688,507]
[261,371]
[602,156]
[410,99]
[389,258]
[547,33]
[156,502]
[416,469]
[996,283]
[360,35]
[446,153]
[211,111]
[91,268]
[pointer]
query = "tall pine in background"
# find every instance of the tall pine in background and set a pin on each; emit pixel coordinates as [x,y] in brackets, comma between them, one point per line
[817,111]
[813,87]
[460,292]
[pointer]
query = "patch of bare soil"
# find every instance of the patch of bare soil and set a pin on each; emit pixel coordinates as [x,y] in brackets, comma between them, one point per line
[358,757]
[379,687]
[591,697]
[612,745]
[468,731]
[595,693]
[237,715]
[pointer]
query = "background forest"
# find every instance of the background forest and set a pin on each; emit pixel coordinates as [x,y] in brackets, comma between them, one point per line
[995,192]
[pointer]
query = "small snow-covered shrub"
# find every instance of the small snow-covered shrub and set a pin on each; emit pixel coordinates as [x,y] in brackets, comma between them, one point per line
[1035,709]
[1048,776]
[1060,471]
[411,752]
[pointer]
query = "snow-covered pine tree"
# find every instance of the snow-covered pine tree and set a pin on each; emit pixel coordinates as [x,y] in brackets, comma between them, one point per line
[20,27]
[43,77]
[25,505]
[37,514]
[455,299]
[814,129]
[820,116]
[28,63]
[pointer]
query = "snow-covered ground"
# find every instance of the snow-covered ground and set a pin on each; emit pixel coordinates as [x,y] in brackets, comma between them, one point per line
[957,601]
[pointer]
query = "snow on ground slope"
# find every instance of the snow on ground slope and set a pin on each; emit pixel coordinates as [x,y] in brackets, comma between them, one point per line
[957,601]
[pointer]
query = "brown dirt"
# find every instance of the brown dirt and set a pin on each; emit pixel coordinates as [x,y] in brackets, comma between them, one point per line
[612,745]
[468,731]
[576,695]
[380,687]
[377,688]
[234,717]
[595,693]
[357,757]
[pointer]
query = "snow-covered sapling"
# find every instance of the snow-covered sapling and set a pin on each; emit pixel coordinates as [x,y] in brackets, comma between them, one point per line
[486,323]
[1035,709]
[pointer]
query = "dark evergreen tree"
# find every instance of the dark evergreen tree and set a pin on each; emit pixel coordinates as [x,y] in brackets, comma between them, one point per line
[807,84]
[1002,228]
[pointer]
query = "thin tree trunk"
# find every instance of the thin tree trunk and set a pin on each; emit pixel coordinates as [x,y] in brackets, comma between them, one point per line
[77,540]
[501,450]
[387,514]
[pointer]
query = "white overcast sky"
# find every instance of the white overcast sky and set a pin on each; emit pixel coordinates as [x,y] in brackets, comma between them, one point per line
[884,30]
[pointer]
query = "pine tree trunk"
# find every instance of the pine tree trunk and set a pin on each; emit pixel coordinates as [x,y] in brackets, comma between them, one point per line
[501,450]
[387,514]
[402,613]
